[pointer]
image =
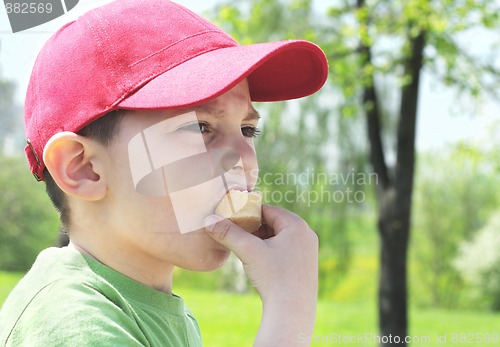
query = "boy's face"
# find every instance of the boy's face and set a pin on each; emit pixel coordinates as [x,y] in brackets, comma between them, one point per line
[167,170]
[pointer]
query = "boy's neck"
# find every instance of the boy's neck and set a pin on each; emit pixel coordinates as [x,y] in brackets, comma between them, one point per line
[160,279]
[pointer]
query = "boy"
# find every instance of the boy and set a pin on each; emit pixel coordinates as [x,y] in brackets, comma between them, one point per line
[139,118]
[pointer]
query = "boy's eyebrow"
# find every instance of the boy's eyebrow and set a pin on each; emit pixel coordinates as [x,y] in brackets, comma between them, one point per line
[253,114]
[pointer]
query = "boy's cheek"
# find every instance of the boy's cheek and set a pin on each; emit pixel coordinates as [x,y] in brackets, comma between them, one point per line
[192,205]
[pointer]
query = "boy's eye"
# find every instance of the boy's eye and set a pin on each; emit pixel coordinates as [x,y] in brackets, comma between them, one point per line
[250,131]
[199,127]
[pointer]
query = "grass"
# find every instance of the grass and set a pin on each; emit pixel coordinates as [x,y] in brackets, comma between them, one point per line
[233,319]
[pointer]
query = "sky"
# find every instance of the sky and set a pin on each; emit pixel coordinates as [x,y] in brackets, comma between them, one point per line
[442,119]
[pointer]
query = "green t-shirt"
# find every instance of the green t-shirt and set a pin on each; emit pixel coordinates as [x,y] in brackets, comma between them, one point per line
[68,299]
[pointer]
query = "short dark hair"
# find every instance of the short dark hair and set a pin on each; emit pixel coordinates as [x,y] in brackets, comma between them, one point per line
[101,130]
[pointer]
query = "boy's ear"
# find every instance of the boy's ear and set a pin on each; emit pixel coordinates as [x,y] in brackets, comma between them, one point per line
[75,164]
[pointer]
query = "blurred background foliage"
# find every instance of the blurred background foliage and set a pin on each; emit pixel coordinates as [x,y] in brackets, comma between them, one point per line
[28,223]
[456,195]
[317,146]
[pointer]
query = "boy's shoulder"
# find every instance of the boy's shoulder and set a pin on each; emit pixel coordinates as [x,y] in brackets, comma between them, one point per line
[67,297]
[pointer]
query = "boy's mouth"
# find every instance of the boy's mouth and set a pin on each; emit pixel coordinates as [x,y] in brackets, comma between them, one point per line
[230,187]
[238,187]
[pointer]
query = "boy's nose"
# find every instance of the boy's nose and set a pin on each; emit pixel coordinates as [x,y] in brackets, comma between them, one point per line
[233,155]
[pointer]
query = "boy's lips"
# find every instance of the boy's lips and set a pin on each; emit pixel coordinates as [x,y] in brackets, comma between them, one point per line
[232,186]
[238,187]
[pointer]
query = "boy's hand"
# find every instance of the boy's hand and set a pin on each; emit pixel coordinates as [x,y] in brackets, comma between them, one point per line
[282,265]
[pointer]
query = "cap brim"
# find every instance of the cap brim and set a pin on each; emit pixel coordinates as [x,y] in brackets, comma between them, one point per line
[276,71]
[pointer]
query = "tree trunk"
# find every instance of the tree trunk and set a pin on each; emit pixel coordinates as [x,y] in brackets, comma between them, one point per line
[393,225]
[395,211]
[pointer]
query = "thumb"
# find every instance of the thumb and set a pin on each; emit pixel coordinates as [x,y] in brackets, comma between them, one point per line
[231,236]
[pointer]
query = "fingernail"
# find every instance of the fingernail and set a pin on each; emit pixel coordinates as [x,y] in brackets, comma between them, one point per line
[210,221]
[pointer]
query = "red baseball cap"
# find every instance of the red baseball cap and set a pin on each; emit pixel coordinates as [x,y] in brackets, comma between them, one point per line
[152,54]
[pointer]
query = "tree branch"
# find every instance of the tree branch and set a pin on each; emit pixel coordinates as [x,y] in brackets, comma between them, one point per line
[371,107]
[377,156]
[407,120]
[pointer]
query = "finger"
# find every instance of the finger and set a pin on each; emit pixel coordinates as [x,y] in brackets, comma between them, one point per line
[232,236]
[278,218]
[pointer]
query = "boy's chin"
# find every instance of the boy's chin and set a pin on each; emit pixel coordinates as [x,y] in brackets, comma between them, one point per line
[211,261]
